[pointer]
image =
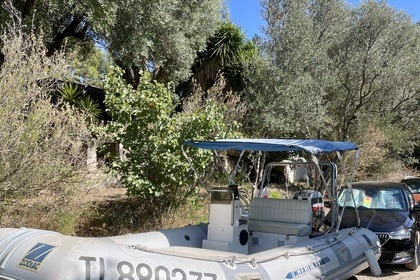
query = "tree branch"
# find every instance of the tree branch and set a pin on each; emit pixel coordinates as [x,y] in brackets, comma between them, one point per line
[70,31]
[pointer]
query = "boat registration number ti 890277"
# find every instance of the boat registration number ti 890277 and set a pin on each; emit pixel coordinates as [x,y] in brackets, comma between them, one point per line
[142,271]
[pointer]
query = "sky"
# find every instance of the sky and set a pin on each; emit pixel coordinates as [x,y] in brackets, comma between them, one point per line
[247,13]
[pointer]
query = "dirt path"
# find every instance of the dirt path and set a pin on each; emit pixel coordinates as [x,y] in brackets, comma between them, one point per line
[391,272]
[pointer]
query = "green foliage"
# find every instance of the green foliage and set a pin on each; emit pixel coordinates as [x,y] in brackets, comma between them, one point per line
[287,91]
[90,107]
[376,68]
[89,63]
[226,52]
[65,221]
[70,93]
[151,132]
[73,95]
[375,153]
[383,145]
[227,44]
[275,194]
[331,70]
[163,36]
[197,209]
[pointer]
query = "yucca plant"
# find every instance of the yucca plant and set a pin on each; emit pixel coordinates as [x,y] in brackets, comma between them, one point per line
[72,94]
[89,107]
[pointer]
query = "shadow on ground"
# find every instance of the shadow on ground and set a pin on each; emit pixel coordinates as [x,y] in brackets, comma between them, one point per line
[116,217]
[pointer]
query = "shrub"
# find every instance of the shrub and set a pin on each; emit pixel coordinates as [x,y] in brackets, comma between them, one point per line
[42,145]
[146,123]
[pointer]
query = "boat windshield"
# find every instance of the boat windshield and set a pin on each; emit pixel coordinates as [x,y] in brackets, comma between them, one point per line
[373,198]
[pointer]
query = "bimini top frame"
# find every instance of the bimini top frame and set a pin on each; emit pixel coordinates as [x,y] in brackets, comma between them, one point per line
[314,147]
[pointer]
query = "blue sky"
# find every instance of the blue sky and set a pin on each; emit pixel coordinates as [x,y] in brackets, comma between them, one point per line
[247,13]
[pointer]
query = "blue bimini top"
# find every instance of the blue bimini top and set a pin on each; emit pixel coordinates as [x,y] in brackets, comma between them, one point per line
[313,147]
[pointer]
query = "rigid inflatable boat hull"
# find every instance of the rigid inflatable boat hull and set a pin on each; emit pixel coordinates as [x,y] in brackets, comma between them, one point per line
[44,255]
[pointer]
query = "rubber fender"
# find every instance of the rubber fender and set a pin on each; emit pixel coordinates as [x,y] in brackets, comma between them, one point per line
[373,262]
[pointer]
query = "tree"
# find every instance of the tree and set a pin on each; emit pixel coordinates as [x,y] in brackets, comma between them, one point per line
[226,50]
[288,93]
[165,36]
[89,64]
[337,72]
[160,36]
[221,63]
[144,121]
[376,68]
[60,20]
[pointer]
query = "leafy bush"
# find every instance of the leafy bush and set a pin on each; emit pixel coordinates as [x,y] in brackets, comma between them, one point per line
[151,131]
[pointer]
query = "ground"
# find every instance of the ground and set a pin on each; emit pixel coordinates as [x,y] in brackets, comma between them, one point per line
[390,272]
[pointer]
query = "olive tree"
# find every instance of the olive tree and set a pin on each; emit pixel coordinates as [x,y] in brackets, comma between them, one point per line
[376,68]
[159,36]
[334,71]
[288,90]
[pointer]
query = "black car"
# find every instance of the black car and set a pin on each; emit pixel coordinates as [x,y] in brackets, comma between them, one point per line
[386,208]
[413,184]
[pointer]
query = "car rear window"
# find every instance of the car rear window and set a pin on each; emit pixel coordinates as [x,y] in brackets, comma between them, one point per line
[387,198]
[413,185]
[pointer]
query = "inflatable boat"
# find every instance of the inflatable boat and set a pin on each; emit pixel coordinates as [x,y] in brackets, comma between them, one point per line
[266,238]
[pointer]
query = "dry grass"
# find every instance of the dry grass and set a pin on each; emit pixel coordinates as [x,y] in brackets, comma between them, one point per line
[112,212]
[101,209]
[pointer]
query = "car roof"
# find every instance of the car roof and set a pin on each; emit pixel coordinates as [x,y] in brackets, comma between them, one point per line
[410,179]
[377,184]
